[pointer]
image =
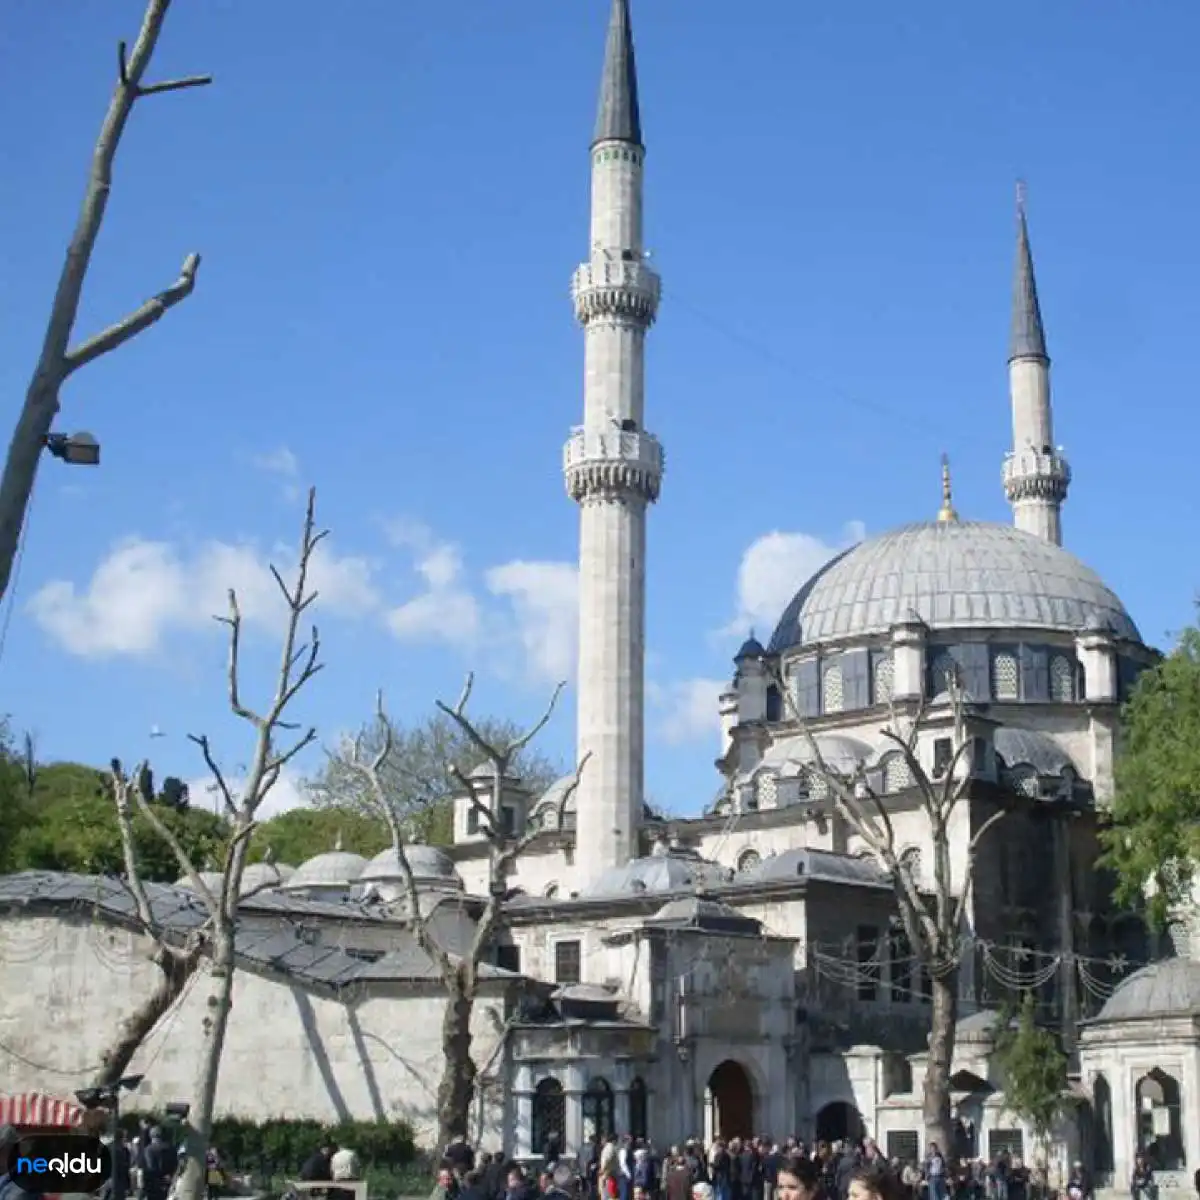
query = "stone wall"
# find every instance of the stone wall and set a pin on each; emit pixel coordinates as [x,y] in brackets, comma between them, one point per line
[66,984]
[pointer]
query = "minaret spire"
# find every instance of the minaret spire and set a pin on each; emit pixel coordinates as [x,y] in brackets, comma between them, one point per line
[613,471]
[1036,475]
[1028,338]
[619,118]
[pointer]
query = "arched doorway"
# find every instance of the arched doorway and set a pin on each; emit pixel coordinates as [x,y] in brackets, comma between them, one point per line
[1160,1120]
[549,1114]
[839,1122]
[729,1102]
[599,1110]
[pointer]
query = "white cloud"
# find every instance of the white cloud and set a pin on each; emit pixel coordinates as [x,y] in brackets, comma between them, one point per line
[144,590]
[288,793]
[688,709]
[285,466]
[446,610]
[543,599]
[773,569]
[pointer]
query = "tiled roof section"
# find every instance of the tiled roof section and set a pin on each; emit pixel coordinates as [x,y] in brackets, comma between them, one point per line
[619,117]
[283,949]
[1028,337]
[951,575]
[1032,748]
[820,865]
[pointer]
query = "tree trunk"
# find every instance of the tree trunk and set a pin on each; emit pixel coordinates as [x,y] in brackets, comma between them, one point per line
[936,1099]
[194,1181]
[174,973]
[21,467]
[456,1089]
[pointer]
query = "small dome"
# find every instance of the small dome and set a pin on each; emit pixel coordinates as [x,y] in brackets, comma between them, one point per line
[751,648]
[546,810]
[213,880]
[839,752]
[978,1029]
[260,876]
[951,575]
[335,869]
[1163,989]
[428,864]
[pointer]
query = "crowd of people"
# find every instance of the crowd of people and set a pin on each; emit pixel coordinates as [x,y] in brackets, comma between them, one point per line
[756,1168]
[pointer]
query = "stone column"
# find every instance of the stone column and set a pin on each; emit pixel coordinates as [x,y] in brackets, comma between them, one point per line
[621,1109]
[521,1134]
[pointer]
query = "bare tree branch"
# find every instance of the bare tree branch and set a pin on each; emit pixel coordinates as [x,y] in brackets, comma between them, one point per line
[141,318]
[56,361]
[215,771]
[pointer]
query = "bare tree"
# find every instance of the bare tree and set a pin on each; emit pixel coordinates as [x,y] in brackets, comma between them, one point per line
[933,920]
[59,360]
[460,973]
[298,664]
[177,961]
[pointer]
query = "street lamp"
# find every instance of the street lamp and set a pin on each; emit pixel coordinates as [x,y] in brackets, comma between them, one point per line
[76,449]
[109,1096]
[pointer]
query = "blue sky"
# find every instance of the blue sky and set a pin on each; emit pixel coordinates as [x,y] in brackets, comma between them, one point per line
[390,204]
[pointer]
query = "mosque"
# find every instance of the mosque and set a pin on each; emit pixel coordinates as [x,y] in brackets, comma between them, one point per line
[744,970]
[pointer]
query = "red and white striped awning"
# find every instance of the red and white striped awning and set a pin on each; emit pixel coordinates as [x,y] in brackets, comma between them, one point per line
[32,1108]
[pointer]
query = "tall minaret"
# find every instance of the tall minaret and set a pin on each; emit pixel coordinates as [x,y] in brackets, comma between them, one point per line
[613,471]
[1036,475]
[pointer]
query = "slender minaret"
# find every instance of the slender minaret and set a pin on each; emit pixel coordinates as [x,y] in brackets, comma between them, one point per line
[1036,475]
[613,471]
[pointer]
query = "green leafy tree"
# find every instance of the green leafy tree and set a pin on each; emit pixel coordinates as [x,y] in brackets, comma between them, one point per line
[15,800]
[416,775]
[69,826]
[1152,842]
[302,833]
[1034,1069]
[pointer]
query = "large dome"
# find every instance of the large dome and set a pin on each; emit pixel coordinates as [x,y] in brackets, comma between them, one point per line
[952,575]
[428,864]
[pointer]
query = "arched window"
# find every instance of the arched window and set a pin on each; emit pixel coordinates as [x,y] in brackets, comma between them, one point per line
[942,672]
[1062,679]
[598,1110]
[832,692]
[549,1113]
[897,774]
[766,791]
[884,683]
[748,860]
[1005,676]
[818,786]
[1023,780]
[639,1108]
[1160,1120]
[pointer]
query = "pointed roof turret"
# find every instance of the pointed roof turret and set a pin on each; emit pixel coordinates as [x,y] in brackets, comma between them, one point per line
[1028,338]
[619,118]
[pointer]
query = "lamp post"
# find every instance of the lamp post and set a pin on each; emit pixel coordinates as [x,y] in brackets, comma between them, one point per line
[75,449]
[109,1097]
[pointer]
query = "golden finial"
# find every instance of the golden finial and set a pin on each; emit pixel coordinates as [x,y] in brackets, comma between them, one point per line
[947,512]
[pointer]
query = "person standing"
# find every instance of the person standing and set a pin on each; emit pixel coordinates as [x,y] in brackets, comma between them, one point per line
[935,1172]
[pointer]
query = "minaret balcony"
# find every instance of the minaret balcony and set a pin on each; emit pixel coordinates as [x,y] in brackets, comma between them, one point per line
[616,284]
[1036,474]
[611,463]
